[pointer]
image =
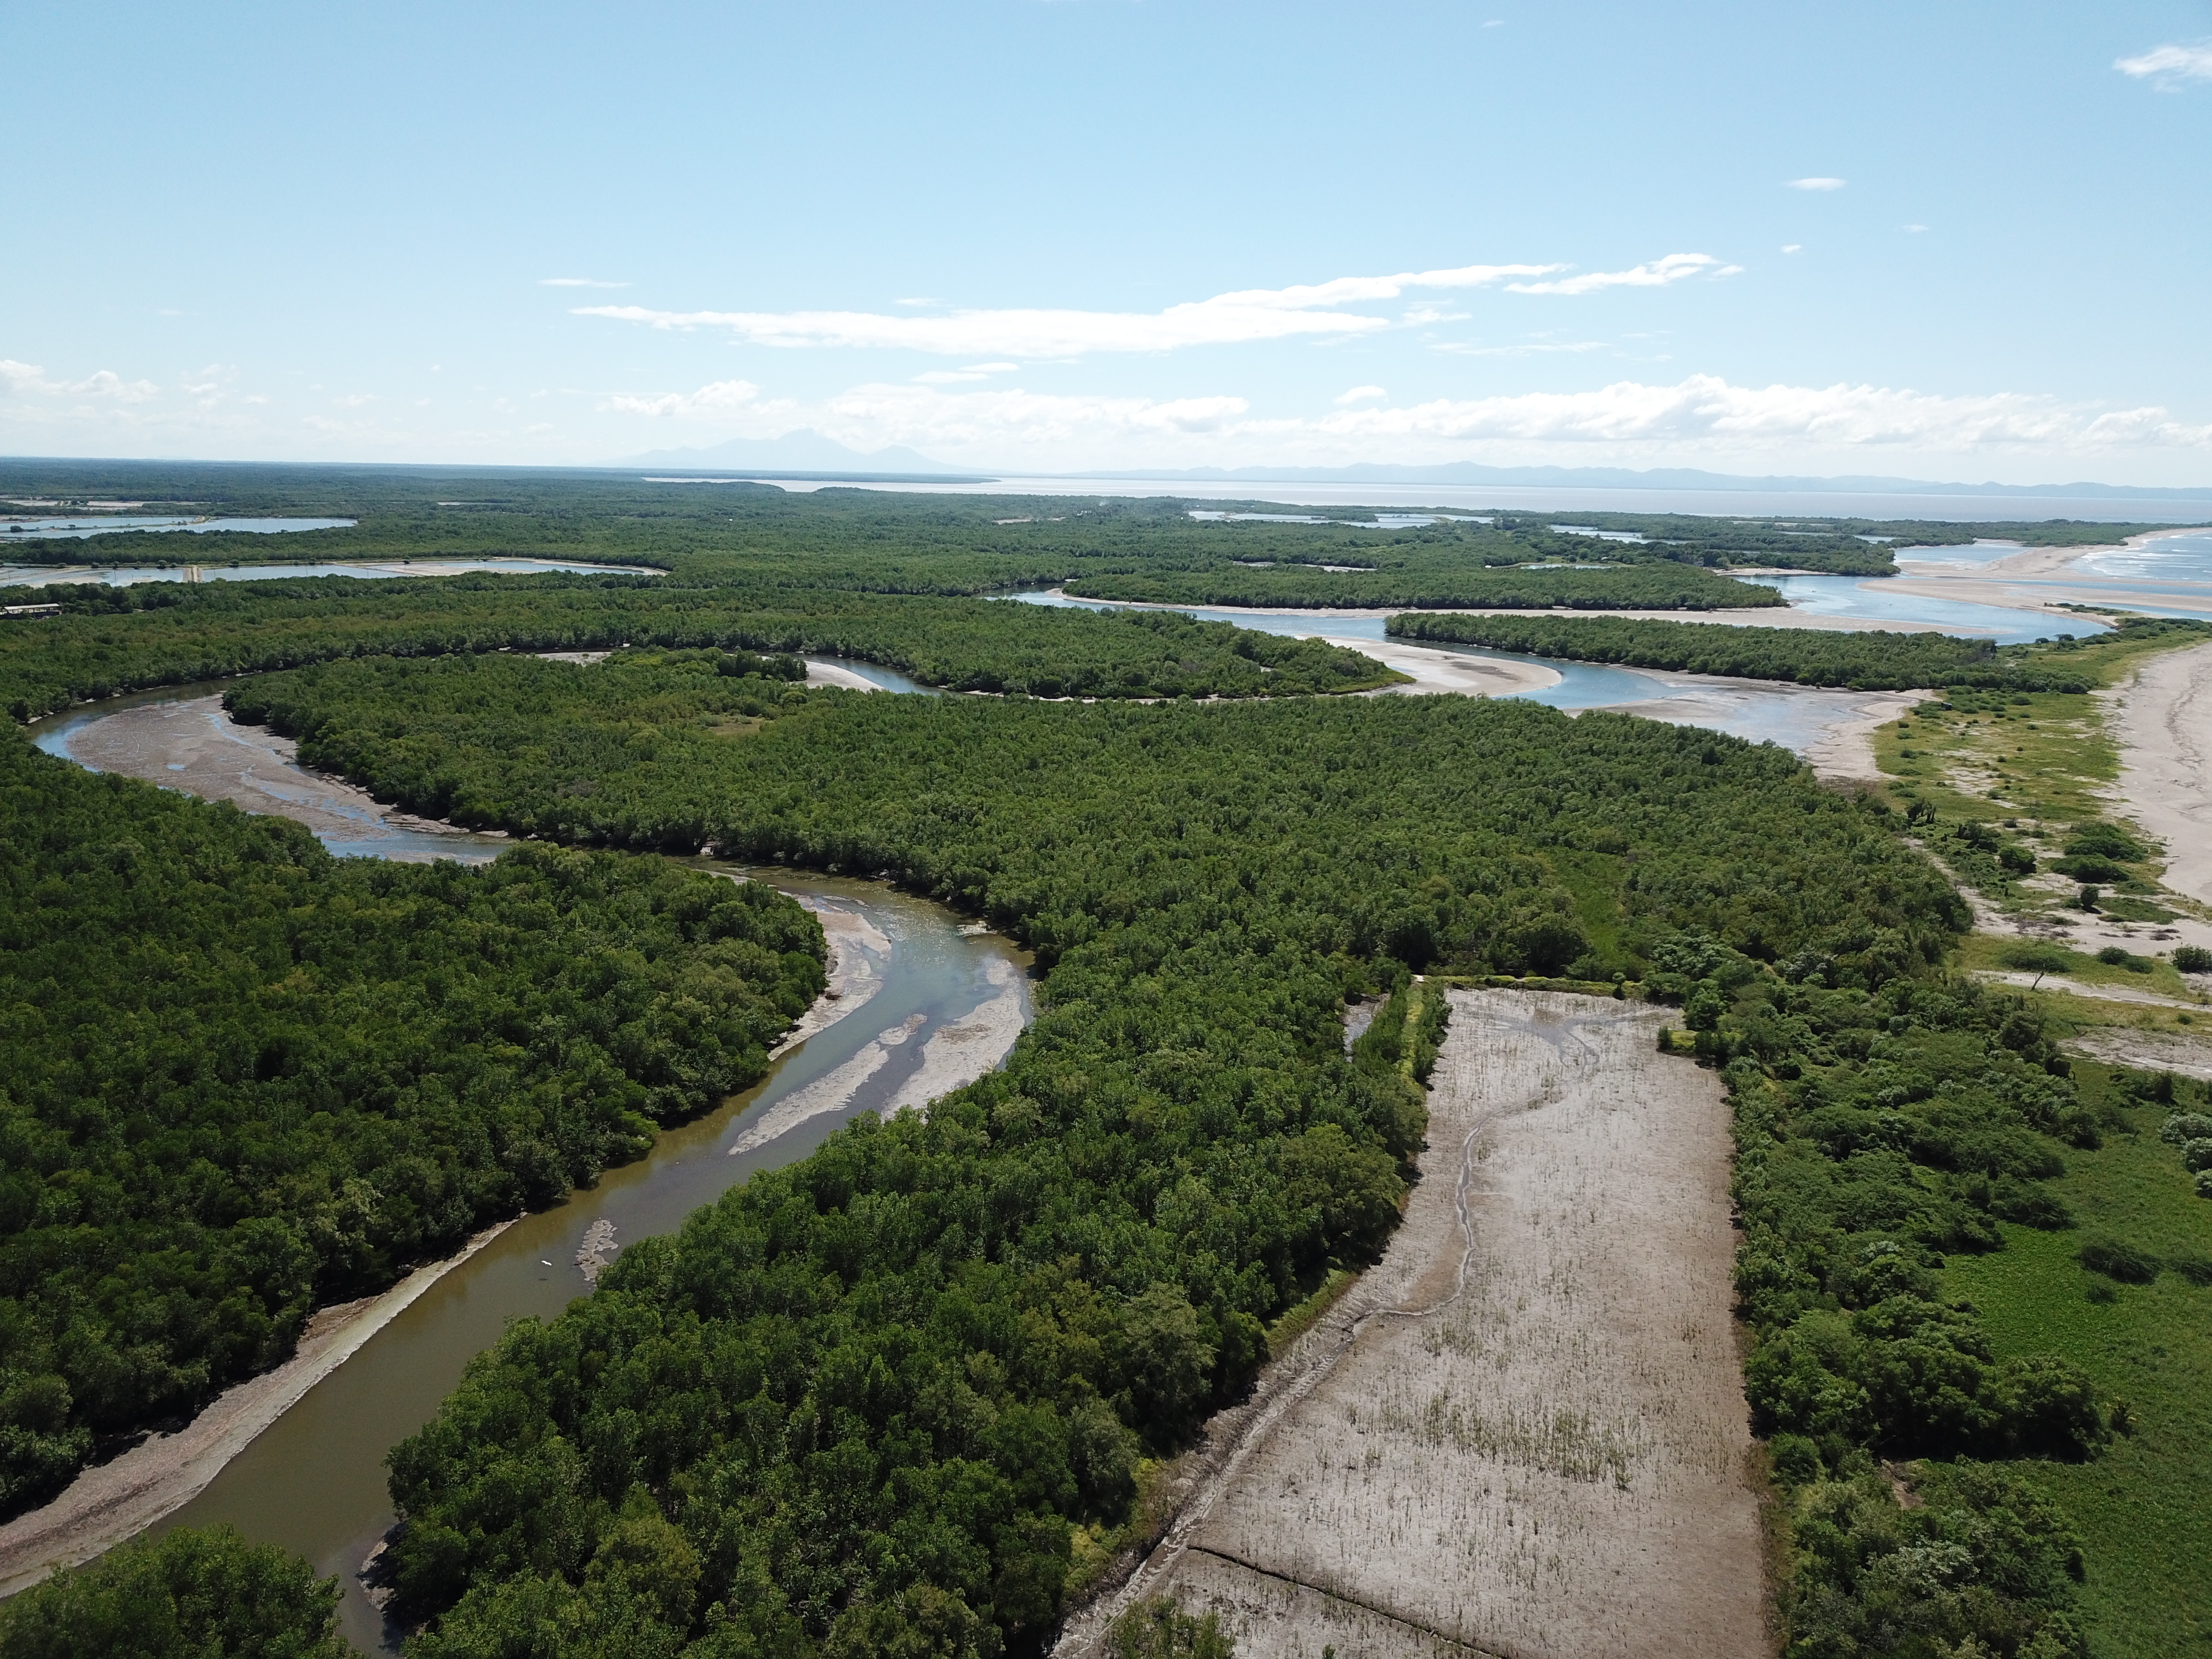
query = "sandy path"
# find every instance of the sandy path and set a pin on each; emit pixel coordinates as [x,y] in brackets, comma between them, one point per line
[1523,1433]
[2149,1051]
[104,1505]
[2163,720]
[2094,992]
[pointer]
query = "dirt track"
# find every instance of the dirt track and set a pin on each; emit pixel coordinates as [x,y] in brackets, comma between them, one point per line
[1523,1433]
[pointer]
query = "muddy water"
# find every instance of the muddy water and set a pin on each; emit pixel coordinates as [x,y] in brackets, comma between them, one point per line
[923,1005]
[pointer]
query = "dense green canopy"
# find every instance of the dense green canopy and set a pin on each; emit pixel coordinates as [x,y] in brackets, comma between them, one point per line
[239,1078]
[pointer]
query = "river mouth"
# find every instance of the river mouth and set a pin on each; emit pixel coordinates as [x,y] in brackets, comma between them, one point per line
[923,1004]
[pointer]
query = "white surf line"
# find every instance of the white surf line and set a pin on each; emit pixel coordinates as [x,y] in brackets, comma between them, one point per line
[104,1505]
[830,1092]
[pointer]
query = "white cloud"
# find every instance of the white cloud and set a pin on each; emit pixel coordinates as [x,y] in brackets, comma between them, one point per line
[718,401]
[1527,349]
[972,372]
[356,400]
[576,281]
[1793,247]
[2169,65]
[1657,273]
[1913,230]
[1701,417]
[1248,315]
[1816,184]
[103,383]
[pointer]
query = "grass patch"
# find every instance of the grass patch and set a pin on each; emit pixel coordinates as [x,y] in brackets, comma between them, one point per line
[1989,952]
[2140,1508]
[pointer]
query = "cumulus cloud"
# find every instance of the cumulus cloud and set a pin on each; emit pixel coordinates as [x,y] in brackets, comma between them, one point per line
[1361,394]
[1657,273]
[2169,65]
[1816,184]
[717,401]
[1308,310]
[104,383]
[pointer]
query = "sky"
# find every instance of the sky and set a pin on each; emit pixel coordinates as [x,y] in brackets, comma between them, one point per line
[1948,241]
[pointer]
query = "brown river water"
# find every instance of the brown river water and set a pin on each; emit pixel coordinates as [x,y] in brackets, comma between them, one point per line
[925,1004]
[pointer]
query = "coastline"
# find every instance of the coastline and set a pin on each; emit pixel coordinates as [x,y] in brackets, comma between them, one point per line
[2161,716]
[119,1498]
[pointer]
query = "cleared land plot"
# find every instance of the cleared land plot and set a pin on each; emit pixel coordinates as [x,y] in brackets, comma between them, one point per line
[1532,1439]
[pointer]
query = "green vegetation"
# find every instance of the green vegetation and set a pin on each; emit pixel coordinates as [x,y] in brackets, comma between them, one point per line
[1203,886]
[239,1078]
[2143,1335]
[1659,585]
[2006,783]
[1882,1135]
[1880,661]
[1159,1629]
[907,1394]
[183,1596]
[111,640]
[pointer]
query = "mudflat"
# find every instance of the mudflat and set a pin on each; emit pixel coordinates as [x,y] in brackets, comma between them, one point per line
[1523,1433]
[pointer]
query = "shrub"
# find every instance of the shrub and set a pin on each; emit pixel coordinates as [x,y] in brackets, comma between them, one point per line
[2037,958]
[2186,1125]
[2016,859]
[2117,1259]
[2196,1156]
[1159,1629]
[2115,956]
[2192,959]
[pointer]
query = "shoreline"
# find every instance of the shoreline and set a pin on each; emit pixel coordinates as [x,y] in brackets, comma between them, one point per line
[114,1501]
[2161,718]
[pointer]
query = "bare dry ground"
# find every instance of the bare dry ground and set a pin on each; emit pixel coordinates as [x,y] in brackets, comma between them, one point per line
[1523,1433]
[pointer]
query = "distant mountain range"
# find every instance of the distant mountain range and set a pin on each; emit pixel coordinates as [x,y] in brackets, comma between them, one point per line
[803,451]
[1614,477]
[808,454]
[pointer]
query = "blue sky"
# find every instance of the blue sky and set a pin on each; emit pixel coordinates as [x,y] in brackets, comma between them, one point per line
[1938,241]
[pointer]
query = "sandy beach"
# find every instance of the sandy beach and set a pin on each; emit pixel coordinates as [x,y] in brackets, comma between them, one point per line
[104,1505]
[2162,718]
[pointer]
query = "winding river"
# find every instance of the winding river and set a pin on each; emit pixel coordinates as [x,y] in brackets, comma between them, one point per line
[921,1004]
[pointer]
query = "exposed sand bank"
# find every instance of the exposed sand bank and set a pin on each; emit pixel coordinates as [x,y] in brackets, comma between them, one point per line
[194,746]
[819,672]
[1522,1433]
[2162,718]
[106,1505]
[1431,670]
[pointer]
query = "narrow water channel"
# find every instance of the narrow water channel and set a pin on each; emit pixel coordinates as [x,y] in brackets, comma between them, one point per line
[925,1004]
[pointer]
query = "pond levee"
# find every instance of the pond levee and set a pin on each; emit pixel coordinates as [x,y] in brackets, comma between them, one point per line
[296,1457]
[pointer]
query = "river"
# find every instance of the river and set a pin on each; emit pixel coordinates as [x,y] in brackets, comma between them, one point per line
[926,1004]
